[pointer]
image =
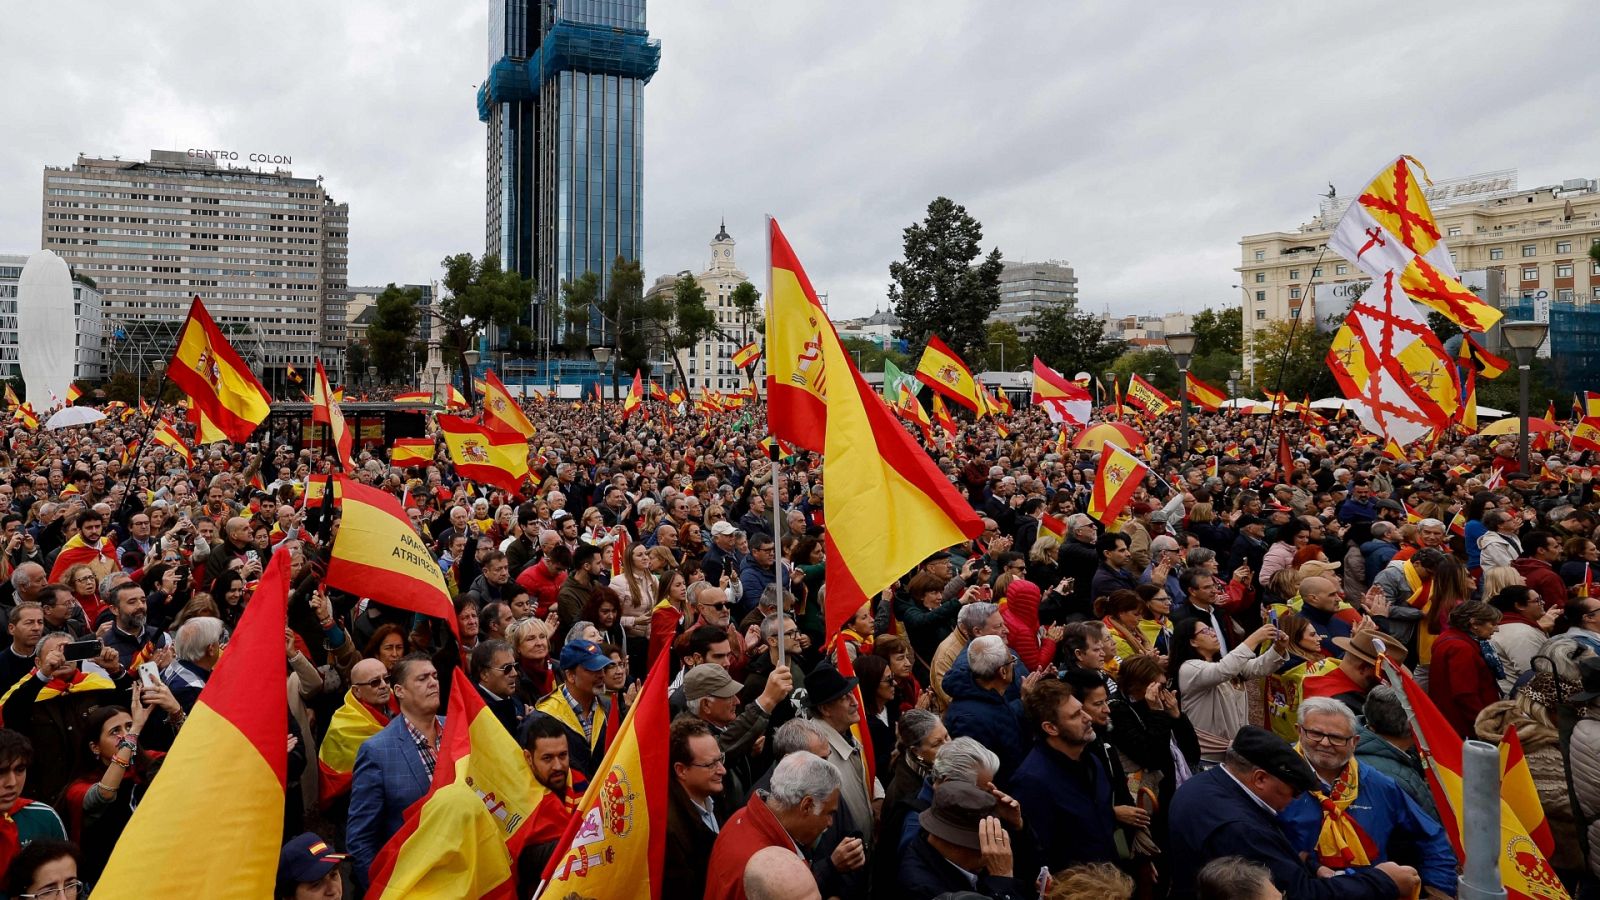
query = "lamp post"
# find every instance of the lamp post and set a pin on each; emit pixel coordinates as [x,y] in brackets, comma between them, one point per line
[1181,345]
[1233,383]
[1524,339]
[602,355]
[471,358]
[1111,385]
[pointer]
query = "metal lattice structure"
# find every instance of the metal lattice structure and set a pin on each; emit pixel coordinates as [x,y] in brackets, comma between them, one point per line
[136,345]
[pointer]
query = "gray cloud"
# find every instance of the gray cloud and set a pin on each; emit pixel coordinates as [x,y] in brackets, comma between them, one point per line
[1138,142]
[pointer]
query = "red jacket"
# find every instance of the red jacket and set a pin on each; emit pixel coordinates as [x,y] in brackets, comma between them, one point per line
[747,831]
[1541,577]
[542,586]
[1460,682]
[1020,611]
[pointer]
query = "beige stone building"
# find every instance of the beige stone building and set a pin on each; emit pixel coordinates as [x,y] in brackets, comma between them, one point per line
[267,251]
[709,364]
[1535,242]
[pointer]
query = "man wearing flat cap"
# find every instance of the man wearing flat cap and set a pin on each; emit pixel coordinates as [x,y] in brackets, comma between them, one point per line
[962,848]
[1232,810]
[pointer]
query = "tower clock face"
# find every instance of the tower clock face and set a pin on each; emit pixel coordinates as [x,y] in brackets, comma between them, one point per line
[727,252]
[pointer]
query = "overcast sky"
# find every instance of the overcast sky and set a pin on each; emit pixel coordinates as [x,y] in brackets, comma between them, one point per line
[1137,141]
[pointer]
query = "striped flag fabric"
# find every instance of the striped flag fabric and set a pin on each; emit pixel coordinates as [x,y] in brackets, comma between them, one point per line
[234,744]
[74,393]
[414,397]
[412,451]
[1063,400]
[481,454]
[500,410]
[1056,528]
[863,734]
[453,398]
[377,554]
[216,379]
[1516,786]
[1201,394]
[746,356]
[634,398]
[941,369]
[351,725]
[168,436]
[1145,396]
[325,409]
[1115,481]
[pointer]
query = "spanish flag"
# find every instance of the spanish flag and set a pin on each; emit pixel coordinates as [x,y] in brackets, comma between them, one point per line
[453,398]
[1056,528]
[1062,399]
[1586,434]
[414,397]
[27,416]
[11,398]
[1001,429]
[1143,395]
[145,409]
[657,393]
[676,396]
[862,733]
[1524,869]
[1516,786]
[500,411]
[130,452]
[883,474]
[376,554]
[351,725]
[1591,404]
[942,416]
[1472,355]
[1201,394]
[294,375]
[463,837]
[493,457]
[942,370]
[635,396]
[75,552]
[747,355]
[168,436]
[622,818]
[206,431]
[412,451]
[909,407]
[74,393]
[1115,481]
[1467,415]
[326,410]
[234,745]
[207,368]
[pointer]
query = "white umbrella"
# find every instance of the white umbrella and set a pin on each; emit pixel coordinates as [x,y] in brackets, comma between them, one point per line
[74,415]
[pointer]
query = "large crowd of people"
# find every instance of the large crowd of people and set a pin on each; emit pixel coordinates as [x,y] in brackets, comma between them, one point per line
[1187,701]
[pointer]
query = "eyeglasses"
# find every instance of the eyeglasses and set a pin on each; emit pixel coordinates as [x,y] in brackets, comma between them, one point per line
[1334,740]
[70,889]
[791,634]
[374,684]
[716,606]
[713,765]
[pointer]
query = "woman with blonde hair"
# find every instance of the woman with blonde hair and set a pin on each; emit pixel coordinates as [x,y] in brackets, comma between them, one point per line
[1044,560]
[1090,881]
[1499,578]
[530,643]
[637,588]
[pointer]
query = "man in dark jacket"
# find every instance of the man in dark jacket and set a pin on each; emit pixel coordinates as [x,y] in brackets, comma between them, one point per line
[695,807]
[1231,810]
[1064,789]
[1541,552]
[1113,573]
[1079,560]
[962,850]
[493,669]
[977,685]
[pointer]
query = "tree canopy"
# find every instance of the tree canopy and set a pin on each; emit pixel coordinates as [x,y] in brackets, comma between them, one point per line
[391,336]
[1071,341]
[941,286]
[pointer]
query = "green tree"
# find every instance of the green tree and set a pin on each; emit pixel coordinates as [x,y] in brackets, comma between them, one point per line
[393,330]
[1009,355]
[1157,366]
[679,320]
[1219,332]
[872,355]
[579,297]
[359,359]
[479,293]
[1071,341]
[1304,370]
[1213,368]
[623,308]
[1442,326]
[941,287]
[747,303]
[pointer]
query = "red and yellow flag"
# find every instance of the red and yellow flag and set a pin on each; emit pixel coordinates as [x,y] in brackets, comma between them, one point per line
[234,744]
[1056,528]
[881,470]
[1517,788]
[207,368]
[377,554]
[657,392]
[351,725]
[676,396]
[863,734]
[205,431]
[414,397]
[25,414]
[616,843]
[12,402]
[76,552]
[454,399]
[1203,395]
[500,410]
[1115,481]
[499,458]
[326,410]
[635,396]
[797,379]
[1143,395]
[1586,434]
[74,393]
[909,407]
[942,416]
[412,451]
[1444,294]
[747,355]
[941,369]
[168,436]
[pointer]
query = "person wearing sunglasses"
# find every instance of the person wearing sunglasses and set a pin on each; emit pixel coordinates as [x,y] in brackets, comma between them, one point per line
[1232,810]
[368,706]
[493,668]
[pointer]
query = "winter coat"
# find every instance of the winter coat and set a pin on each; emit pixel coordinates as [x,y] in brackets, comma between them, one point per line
[1542,578]
[1210,699]
[1459,680]
[1541,745]
[1515,641]
[1021,615]
[1390,818]
[987,717]
[1496,549]
[1377,554]
[1585,754]
[1399,765]
[1066,805]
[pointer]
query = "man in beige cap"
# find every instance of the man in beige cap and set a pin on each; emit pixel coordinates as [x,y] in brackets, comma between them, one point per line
[712,696]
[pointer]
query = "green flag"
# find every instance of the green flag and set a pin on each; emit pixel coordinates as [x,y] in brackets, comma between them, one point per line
[892,376]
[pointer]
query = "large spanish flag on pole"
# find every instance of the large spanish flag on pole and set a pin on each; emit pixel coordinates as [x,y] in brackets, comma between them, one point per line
[326,410]
[891,507]
[616,844]
[635,396]
[481,454]
[1201,394]
[941,369]
[376,554]
[207,368]
[1115,481]
[233,746]
[412,451]
[500,411]
[797,384]
[1146,396]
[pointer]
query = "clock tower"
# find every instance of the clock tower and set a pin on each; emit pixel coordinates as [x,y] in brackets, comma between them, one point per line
[722,251]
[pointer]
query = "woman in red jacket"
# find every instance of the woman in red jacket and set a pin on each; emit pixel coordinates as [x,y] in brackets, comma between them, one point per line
[1464,676]
[1020,611]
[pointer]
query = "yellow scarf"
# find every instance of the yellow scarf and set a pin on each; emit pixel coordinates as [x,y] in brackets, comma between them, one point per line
[1422,599]
[1342,843]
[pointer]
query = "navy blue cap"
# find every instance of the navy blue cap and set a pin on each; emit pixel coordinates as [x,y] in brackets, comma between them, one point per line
[306,858]
[583,653]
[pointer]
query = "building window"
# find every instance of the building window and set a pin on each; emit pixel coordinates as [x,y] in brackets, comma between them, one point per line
[1261,314]
[1261,296]
[1594,268]
[1563,270]
[1530,273]
[1294,274]
[1563,246]
[1564,295]
[1341,269]
[1530,249]
[1294,313]
[1454,231]
[1261,278]
[1294,293]
[1497,253]
[1261,255]
[1316,272]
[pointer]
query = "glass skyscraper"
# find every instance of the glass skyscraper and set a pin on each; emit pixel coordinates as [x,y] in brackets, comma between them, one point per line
[564,102]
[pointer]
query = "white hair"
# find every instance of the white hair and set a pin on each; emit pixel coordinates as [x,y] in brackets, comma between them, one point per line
[197,635]
[771,625]
[973,615]
[1326,706]
[986,655]
[796,735]
[1430,523]
[800,775]
[961,759]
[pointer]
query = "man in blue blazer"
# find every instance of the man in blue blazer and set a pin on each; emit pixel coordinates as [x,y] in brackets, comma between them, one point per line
[395,766]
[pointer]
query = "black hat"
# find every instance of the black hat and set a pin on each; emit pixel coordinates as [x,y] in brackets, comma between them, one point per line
[1274,756]
[957,810]
[825,685]
[1246,521]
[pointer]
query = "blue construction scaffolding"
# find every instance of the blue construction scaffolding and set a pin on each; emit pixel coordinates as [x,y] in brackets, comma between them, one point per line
[1574,342]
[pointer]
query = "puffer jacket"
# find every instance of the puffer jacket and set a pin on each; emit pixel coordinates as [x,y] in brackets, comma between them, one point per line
[1397,764]
[1541,744]
[1021,614]
[1586,776]
[987,717]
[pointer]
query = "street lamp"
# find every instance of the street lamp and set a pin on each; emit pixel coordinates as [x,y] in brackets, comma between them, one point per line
[470,357]
[1182,347]
[1233,383]
[1110,385]
[602,355]
[1524,339]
